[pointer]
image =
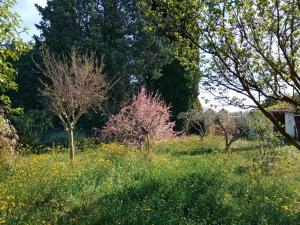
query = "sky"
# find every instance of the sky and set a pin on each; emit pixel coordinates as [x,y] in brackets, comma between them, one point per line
[30,17]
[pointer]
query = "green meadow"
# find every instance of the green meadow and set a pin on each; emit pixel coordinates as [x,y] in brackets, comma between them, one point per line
[188,181]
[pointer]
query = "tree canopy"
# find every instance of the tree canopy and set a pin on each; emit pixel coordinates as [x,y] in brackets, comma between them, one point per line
[11,47]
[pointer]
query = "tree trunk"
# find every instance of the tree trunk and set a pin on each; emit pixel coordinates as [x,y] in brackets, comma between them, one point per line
[71,143]
[201,132]
[226,136]
[227,145]
[149,153]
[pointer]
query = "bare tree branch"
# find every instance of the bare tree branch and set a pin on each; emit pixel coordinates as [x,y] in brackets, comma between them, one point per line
[75,83]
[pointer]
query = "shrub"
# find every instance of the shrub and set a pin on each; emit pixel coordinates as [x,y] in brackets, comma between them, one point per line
[261,130]
[8,141]
[145,118]
[194,121]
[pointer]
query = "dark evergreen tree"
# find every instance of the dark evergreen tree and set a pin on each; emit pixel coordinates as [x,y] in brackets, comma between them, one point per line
[28,80]
[61,25]
[179,87]
[113,29]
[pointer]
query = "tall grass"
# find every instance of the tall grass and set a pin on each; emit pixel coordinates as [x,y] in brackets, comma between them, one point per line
[188,182]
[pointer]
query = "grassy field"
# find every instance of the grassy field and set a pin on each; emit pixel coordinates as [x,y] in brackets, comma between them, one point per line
[187,182]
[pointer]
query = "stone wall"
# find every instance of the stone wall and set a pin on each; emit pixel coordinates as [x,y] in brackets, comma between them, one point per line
[8,134]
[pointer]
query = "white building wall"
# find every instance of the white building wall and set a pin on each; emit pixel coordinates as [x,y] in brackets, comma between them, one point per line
[290,124]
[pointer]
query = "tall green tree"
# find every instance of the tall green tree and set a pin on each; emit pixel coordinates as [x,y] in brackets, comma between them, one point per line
[112,28]
[28,79]
[179,83]
[179,87]
[11,47]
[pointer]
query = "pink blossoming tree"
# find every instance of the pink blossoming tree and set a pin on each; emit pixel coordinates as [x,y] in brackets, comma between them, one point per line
[144,119]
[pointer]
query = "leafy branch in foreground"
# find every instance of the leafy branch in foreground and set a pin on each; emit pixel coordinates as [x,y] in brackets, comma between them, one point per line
[11,47]
[248,47]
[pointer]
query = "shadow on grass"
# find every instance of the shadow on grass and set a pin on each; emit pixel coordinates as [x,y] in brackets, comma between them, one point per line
[155,202]
[194,199]
[200,150]
[246,148]
[207,148]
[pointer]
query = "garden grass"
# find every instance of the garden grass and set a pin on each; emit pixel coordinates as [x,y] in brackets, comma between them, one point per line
[188,181]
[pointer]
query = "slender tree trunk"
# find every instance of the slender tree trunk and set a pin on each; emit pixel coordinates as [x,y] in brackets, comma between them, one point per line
[201,132]
[227,145]
[71,142]
[228,142]
[226,136]
[149,153]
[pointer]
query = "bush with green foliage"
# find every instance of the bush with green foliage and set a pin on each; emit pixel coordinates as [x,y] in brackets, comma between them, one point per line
[261,129]
[194,120]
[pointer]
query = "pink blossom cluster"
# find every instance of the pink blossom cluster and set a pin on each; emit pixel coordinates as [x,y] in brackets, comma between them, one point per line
[146,116]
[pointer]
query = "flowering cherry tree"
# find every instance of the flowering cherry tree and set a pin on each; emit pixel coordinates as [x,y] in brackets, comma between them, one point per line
[145,118]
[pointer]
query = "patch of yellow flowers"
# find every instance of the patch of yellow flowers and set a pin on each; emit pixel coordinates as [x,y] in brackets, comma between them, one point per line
[31,174]
[114,148]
